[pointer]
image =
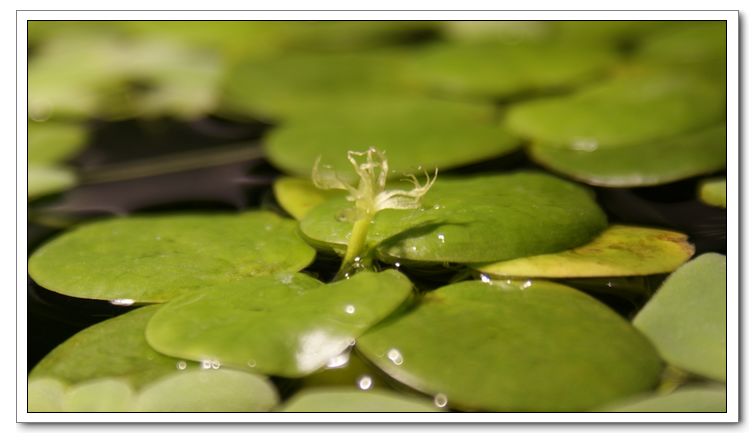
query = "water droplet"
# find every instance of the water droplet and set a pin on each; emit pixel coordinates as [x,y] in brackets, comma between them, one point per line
[339,360]
[350,309]
[436,206]
[585,144]
[346,276]
[526,284]
[364,382]
[397,264]
[357,259]
[251,363]
[414,249]
[442,238]
[508,281]
[440,400]
[215,364]
[395,356]
[206,364]
[122,302]
[286,278]
[484,278]
[181,365]
[610,284]
[353,342]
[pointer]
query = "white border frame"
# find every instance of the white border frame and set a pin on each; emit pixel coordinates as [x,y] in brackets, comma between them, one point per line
[733,211]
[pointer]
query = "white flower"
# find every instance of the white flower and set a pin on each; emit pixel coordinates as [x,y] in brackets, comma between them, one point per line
[370,195]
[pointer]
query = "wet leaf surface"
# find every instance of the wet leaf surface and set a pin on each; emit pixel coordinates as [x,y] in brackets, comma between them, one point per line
[646,164]
[288,325]
[628,110]
[412,131]
[526,346]
[153,259]
[352,400]
[686,318]
[465,220]
[113,348]
[617,251]
[706,398]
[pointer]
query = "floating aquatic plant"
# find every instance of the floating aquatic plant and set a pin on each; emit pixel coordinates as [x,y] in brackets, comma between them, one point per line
[369,197]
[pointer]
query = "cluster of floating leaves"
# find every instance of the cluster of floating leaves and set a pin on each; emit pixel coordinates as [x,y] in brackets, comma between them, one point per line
[464,306]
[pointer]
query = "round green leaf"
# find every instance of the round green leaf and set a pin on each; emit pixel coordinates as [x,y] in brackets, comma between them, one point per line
[45,395]
[618,251]
[628,110]
[412,131]
[44,180]
[152,259]
[645,164]
[713,192]
[467,220]
[103,395]
[707,398]
[278,87]
[352,400]
[51,142]
[213,390]
[531,346]
[686,318]
[501,69]
[298,195]
[115,348]
[288,325]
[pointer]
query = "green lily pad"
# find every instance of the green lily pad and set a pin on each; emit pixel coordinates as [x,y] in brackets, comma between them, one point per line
[45,395]
[710,398]
[298,195]
[115,348]
[413,132]
[218,390]
[51,142]
[645,164]
[153,259]
[713,192]
[686,318]
[531,346]
[502,69]
[352,400]
[104,395]
[471,220]
[288,325]
[617,251]
[278,87]
[43,180]
[628,110]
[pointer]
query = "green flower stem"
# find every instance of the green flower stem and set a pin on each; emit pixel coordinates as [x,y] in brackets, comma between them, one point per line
[356,246]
